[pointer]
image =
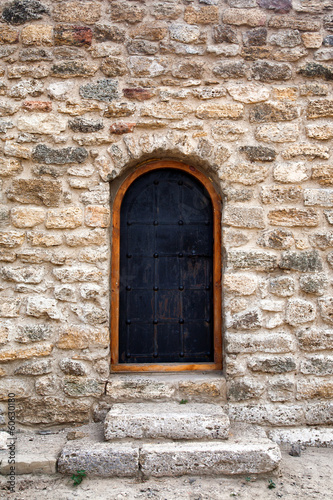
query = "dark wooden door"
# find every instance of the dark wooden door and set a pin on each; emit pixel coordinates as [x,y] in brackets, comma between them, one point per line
[166,270]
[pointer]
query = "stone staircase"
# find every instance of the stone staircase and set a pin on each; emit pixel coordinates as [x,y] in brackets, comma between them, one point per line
[156,439]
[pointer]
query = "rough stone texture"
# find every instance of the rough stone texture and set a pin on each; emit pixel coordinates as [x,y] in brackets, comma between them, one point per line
[239,90]
[208,458]
[166,420]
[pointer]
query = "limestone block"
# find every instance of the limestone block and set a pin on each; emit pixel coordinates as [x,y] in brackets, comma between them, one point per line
[314,389]
[318,197]
[138,388]
[273,112]
[10,308]
[100,459]
[92,237]
[81,337]
[208,14]
[52,410]
[10,166]
[69,12]
[37,367]
[40,306]
[9,385]
[158,460]
[39,70]
[277,342]
[320,108]
[44,239]
[11,239]
[27,217]
[277,238]
[64,218]
[240,284]
[300,311]
[82,386]
[244,173]
[314,283]
[249,93]
[227,70]
[319,413]
[166,420]
[293,217]
[238,17]
[268,71]
[72,274]
[248,320]
[255,260]
[29,274]
[239,216]
[281,390]
[37,34]
[35,191]
[242,389]
[71,367]
[272,364]
[29,352]
[41,124]
[291,172]
[320,132]
[319,364]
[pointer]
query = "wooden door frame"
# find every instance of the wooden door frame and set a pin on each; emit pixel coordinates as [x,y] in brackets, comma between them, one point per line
[217,274]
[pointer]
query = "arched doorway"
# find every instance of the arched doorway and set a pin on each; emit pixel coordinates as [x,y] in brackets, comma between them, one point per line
[166,271]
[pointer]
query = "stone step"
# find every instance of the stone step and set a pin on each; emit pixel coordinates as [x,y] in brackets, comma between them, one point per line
[166,420]
[244,454]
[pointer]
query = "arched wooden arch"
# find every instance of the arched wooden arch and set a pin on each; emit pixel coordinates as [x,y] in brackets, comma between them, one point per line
[217,274]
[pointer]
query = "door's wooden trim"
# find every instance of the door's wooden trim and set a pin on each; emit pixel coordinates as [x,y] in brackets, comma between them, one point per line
[115,274]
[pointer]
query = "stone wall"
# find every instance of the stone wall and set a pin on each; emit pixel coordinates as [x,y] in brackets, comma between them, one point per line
[239,88]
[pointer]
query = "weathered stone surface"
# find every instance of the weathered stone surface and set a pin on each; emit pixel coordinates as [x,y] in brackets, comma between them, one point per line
[247,174]
[315,339]
[322,239]
[91,237]
[255,37]
[273,112]
[38,367]
[224,33]
[21,11]
[329,216]
[167,111]
[219,111]
[166,420]
[64,218]
[226,69]
[317,365]
[240,284]
[141,66]
[40,106]
[11,239]
[81,337]
[272,364]
[326,309]
[160,460]
[293,217]
[41,124]
[166,10]
[52,410]
[28,352]
[314,70]
[82,274]
[314,389]
[44,154]
[308,261]
[320,108]
[250,217]
[207,14]
[39,306]
[313,89]
[121,128]
[244,389]
[8,35]
[258,153]
[100,459]
[37,35]
[39,192]
[255,260]
[277,342]
[279,239]
[80,36]
[85,125]
[33,333]
[96,216]
[10,166]
[269,71]
[70,69]
[315,284]
[113,66]
[281,194]
[81,387]
[318,197]
[248,93]
[41,70]
[300,311]
[291,172]
[71,367]
[279,6]
[274,415]
[238,17]
[248,320]
[69,12]
[235,238]
[22,274]
[282,286]
[320,132]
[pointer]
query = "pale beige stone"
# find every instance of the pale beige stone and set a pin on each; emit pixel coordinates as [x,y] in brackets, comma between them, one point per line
[312,40]
[27,217]
[27,353]
[277,132]
[41,123]
[240,284]
[244,173]
[37,34]
[291,172]
[219,111]
[81,337]
[9,166]
[64,218]
[248,93]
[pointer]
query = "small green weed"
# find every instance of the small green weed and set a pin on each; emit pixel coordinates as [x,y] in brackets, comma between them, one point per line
[78,477]
[183,401]
[271,484]
[248,479]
